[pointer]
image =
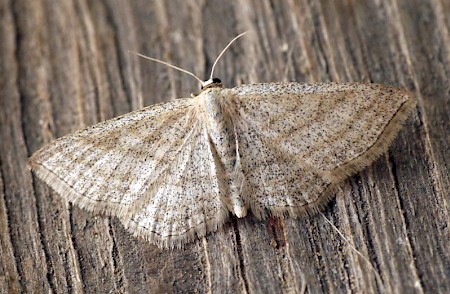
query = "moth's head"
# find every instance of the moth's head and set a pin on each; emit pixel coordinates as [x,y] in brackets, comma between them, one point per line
[211,83]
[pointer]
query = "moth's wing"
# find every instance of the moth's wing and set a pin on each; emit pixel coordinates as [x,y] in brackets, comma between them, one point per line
[115,165]
[298,141]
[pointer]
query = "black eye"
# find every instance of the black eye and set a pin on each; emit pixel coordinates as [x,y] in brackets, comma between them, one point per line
[216,81]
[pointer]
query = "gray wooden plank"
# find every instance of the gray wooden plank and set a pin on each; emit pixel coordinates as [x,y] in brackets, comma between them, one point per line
[65,65]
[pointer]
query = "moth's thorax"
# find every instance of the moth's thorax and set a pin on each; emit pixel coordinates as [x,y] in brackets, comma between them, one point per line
[215,116]
[210,102]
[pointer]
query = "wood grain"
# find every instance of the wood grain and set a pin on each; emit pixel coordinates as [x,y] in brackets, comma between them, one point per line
[65,65]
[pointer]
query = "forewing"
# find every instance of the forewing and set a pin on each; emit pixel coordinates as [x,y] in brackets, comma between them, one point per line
[327,130]
[152,168]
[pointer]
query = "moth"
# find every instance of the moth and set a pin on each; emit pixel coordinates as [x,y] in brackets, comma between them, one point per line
[174,171]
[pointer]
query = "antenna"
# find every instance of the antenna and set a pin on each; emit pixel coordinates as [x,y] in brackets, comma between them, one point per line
[203,83]
[168,64]
[223,51]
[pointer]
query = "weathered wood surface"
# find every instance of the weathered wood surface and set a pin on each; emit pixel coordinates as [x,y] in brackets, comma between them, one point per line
[65,65]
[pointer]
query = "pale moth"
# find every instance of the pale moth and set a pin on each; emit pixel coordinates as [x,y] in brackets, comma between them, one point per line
[174,171]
